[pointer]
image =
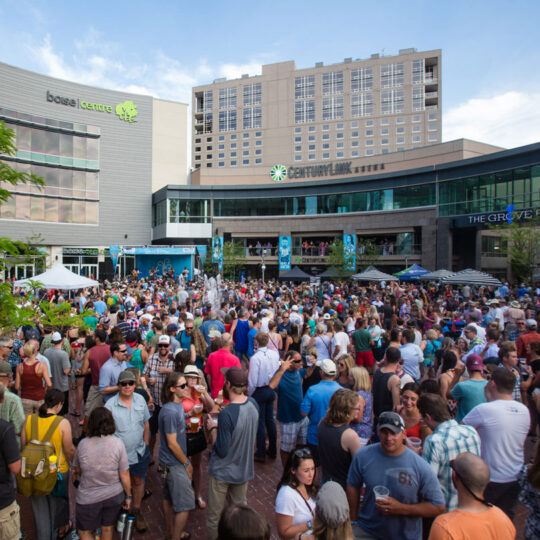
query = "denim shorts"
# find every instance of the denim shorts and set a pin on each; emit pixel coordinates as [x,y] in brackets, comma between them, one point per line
[141,467]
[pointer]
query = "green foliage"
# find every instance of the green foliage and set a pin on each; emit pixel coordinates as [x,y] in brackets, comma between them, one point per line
[233,259]
[60,316]
[366,254]
[523,249]
[12,313]
[7,173]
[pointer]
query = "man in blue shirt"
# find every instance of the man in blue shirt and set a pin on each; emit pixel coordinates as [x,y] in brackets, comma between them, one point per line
[131,416]
[412,489]
[111,369]
[256,328]
[212,323]
[287,382]
[315,404]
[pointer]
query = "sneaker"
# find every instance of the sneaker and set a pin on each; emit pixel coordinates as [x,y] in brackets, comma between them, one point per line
[140,523]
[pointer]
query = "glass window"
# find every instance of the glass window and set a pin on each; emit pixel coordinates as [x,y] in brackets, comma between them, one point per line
[221,147]
[326,136]
[400,140]
[339,154]
[354,153]
[245,143]
[354,143]
[245,153]
[361,105]
[298,148]
[385,131]
[369,123]
[369,133]
[51,210]
[432,138]
[384,141]
[221,164]
[418,71]
[400,120]
[416,139]
[417,118]
[326,146]
[392,101]
[354,134]
[354,124]
[418,99]
[233,154]
[258,134]
[369,152]
[311,147]
[361,79]
[298,158]
[227,98]
[311,138]
[304,111]
[339,135]
[432,127]
[392,75]
[245,135]
[340,126]
[258,143]
[326,127]
[416,129]
[233,163]
[332,83]
[233,137]
[220,138]
[432,116]
[227,120]
[400,129]
[304,87]
[311,156]
[221,156]
[258,160]
[298,139]
[252,94]
[369,142]
[311,129]
[340,144]
[258,152]
[233,145]
[385,151]
[326,155]
[298,130]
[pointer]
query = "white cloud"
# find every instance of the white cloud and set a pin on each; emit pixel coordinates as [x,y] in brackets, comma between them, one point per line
[508,120]
[97,62]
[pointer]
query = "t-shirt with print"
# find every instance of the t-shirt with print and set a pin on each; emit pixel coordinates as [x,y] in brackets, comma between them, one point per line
[409,479]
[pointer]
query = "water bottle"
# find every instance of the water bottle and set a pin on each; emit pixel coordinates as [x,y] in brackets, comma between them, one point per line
[120,524]
[128,529]
[53,464]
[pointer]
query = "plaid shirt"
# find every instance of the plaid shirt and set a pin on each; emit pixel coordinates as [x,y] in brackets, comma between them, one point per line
[151,370]
[448,441]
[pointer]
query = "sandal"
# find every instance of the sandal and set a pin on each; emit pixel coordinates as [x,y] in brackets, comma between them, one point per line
[199,501]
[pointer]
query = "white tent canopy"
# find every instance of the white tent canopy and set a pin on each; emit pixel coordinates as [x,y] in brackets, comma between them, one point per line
[372,274]
[58,277]
[471,277]
[437,275]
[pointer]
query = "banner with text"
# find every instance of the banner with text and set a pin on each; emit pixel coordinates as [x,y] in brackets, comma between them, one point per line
[284,253]
[349,252]
[217,251]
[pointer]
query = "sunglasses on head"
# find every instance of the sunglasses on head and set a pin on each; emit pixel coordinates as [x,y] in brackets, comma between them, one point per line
[383,419]
[127,383]
[303,453]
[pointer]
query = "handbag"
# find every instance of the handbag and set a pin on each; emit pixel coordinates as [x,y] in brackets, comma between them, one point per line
[195,442]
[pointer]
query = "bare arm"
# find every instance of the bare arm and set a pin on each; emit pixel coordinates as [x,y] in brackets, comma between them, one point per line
[178,453]
[18,378]
[395,389]
[350,441]
[192,353]
[286,529]
[48,381]
[67,440]
[15,467]
[274,381]
[353,496]
[86,363]
[422,509]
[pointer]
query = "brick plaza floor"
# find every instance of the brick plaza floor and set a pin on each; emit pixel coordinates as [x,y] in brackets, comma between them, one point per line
[261,496]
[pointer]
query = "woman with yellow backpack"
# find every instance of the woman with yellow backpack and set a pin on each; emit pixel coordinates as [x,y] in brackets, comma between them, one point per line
[51,511]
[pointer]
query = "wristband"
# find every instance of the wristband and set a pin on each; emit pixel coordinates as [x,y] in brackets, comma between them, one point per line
[187,463]
[127,497]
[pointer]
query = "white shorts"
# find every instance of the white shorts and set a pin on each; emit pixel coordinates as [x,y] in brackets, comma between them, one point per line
[293,434]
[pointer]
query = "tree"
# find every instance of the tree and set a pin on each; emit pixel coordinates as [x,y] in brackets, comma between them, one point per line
[7,173]
[523,247]
[233,258]
[366,254]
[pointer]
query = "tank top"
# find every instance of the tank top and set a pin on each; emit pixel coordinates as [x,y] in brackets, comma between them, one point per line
[413,431]
[241,336]
[295,346]
[43,425]
[335,461]
[136,360]
[31,383]
[382,398]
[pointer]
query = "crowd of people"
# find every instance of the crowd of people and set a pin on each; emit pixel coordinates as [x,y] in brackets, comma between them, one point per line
[397,410]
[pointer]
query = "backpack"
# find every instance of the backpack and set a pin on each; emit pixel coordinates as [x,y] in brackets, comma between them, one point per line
[35,477]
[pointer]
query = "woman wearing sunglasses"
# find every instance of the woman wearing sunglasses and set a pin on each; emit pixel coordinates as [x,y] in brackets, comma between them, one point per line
[295,501]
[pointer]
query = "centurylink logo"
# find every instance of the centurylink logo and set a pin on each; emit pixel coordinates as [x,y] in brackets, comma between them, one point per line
[278,173]
[127,111]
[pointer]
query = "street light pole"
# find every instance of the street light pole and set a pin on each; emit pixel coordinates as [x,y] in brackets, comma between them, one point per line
[263,267]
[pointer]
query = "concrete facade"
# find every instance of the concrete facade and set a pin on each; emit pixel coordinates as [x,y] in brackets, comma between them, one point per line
[356,108]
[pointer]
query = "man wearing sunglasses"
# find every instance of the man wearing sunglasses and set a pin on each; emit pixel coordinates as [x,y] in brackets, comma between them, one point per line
[412,489]
[474,517]
[6,346]
[131,417]
[111,369]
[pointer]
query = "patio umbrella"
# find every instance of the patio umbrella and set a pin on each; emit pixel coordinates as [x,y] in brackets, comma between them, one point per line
[472,277]
[372,274]
[437,275]
[413,272]
[296,274]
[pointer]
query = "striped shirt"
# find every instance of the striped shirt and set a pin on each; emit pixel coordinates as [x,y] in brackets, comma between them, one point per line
[448,441]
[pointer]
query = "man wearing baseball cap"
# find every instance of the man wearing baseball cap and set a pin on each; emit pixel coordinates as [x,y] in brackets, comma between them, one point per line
[231,464]
[469,393]
[315,403]
[401,488]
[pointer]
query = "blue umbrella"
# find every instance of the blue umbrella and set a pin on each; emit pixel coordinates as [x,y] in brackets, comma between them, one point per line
[413,272]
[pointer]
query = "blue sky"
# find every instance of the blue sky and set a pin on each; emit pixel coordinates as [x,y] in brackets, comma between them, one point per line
[491,80]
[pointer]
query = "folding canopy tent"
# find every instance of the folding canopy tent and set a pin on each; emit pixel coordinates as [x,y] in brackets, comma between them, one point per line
[413,272]
[296,274]
[437,275]
[58,277]
[372,274]
[472,277]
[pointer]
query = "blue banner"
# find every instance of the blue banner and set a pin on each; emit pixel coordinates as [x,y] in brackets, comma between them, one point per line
[217,251]
[349,252]
[115,252]
[284,253]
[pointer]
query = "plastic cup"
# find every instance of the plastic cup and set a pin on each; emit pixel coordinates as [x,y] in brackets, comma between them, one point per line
[199,389]
[198,410]
[194,423]
[381,492]
[414,443]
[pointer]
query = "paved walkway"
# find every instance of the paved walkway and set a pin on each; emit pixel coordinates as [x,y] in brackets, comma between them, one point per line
[261,496]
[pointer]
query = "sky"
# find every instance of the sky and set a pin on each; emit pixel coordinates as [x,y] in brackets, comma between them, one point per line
[490,49]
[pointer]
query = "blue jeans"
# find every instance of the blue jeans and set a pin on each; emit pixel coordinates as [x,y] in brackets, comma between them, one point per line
[265,397]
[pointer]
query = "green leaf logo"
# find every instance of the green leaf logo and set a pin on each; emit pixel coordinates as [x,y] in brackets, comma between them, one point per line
[278,173]
[127,111]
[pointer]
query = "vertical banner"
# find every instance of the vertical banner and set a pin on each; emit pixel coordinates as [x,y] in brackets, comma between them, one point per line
[115,252]
[349,252]
[217,251]
[284,253]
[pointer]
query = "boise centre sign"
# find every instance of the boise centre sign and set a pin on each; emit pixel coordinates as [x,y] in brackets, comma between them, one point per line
[126,111]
